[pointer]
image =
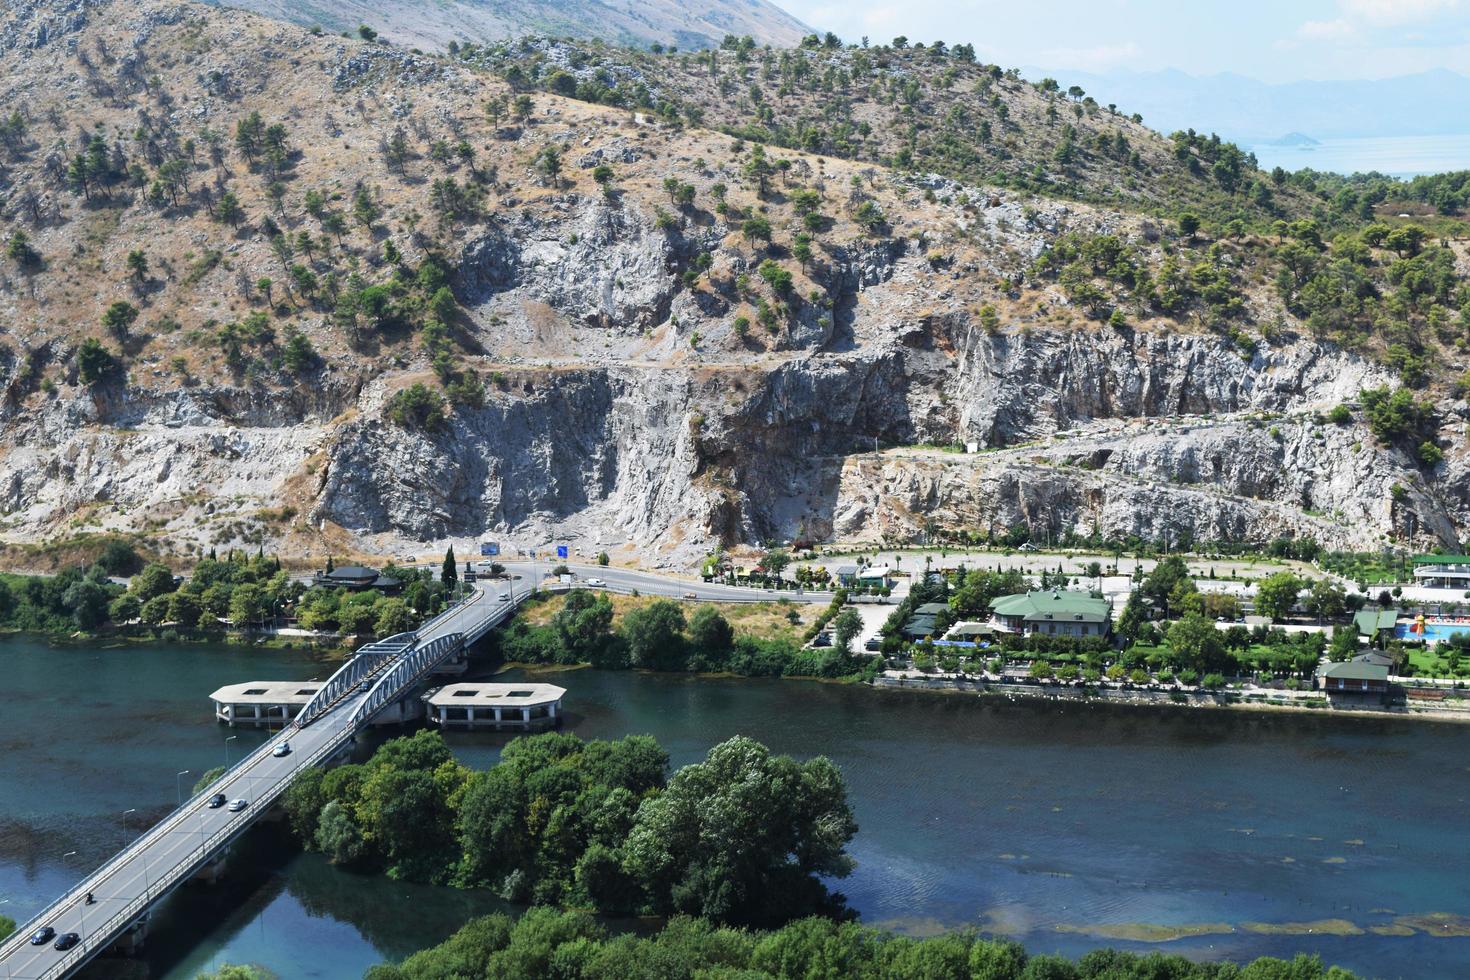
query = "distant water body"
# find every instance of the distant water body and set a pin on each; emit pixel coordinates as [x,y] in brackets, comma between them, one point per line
[1397,156]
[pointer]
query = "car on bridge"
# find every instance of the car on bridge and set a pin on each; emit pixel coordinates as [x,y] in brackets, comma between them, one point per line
[504,597]
[237,805]
[283,749]
[66,941]
[42,936]
[217,800]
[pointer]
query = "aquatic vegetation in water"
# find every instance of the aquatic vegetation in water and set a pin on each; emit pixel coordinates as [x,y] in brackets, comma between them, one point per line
[1318,927]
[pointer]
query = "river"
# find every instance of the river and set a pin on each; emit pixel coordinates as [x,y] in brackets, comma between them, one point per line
[1227,834]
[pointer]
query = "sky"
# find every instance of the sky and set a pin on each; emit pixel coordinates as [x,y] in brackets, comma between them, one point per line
[1271,40]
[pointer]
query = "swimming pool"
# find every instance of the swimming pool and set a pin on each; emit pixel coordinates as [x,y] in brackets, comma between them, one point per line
[1433,632]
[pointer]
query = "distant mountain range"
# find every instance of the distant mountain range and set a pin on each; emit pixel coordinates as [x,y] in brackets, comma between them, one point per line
[432,24]
[1431,103]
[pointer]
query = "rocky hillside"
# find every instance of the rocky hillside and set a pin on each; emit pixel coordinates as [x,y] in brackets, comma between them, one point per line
[268,286]
[922,108]
[435,24]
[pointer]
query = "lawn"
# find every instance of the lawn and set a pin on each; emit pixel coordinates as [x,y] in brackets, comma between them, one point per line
[767,620]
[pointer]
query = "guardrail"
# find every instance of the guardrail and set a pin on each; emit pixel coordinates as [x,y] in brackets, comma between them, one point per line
[363,663]
[368,662]
[101,937]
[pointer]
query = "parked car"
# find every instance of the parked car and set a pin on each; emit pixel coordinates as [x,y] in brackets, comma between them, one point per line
[822,640]
[873,645]
[217,800]
[237,805]
[42,936]
[284,749]
[66,940]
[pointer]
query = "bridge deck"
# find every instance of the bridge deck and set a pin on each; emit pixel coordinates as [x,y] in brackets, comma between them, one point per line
[128,884]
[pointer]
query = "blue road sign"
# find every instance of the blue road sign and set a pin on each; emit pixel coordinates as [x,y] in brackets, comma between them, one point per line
[489,549]
[561,551]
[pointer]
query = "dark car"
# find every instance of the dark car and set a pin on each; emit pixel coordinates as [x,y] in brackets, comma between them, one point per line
[822,640]
[42,936]
[217,800]
[873,644]
[66,940]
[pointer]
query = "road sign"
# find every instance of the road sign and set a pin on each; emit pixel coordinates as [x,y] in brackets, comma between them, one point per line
[561,551]
[489,549]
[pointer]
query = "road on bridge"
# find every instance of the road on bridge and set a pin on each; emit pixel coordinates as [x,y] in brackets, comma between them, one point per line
[172,850]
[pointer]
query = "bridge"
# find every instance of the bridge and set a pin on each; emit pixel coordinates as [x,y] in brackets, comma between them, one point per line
[134,880]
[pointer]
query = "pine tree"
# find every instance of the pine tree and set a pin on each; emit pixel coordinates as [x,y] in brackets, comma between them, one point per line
[450,575]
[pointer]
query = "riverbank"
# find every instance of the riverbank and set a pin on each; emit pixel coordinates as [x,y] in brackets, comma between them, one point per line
[1305,703]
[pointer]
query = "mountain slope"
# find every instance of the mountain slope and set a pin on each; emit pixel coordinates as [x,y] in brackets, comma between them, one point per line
[267,287]
[433,24]
[920,108]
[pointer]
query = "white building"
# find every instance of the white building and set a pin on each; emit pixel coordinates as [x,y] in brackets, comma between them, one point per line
[519,707]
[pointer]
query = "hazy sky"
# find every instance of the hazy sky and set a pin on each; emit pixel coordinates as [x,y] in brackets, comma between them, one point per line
[1274,40]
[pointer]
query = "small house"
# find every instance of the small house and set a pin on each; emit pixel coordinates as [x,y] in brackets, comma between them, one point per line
[846,575]
[1353,677]
[1053,612]
[358,578]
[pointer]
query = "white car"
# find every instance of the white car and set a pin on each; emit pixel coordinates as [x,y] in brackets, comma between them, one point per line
[595,582]
[505,597]
[280,750]
[237,805]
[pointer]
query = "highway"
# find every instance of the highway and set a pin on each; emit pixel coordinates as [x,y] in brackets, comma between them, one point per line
[652,583]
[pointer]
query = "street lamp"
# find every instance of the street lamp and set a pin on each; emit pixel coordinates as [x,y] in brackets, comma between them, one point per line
[81,909]
[227,750]
[146,877]
[179,785]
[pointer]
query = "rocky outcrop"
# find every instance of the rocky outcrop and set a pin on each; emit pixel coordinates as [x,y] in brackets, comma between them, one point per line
[600,264]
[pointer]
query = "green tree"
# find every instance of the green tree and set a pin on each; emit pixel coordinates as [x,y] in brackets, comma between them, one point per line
[138,264]
[155,579]
[1195,642]
[1276,594]
[393,616]
[338,835]
[845,628]
[96,365]
[742,836]
[124,609]
[655,635]
[449,571]
[583,624]
[119,317]
[711,635]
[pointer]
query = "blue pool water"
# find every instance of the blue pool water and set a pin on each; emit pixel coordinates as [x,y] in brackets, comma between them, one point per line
[1433,632]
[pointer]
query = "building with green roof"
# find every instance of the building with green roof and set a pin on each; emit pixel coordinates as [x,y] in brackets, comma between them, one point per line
[1371,622]
[1053,612]
[1442,571]
[1356,676]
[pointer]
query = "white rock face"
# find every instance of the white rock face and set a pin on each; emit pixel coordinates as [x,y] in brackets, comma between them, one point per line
[615,427]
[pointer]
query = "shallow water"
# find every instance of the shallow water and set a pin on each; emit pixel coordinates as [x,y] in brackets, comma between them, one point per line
[1066,826]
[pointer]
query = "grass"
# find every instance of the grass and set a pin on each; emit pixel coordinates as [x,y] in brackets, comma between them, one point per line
[767,620]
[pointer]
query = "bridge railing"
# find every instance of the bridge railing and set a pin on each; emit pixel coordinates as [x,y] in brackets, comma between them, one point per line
[369,658]
[395,680]
[100,937]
